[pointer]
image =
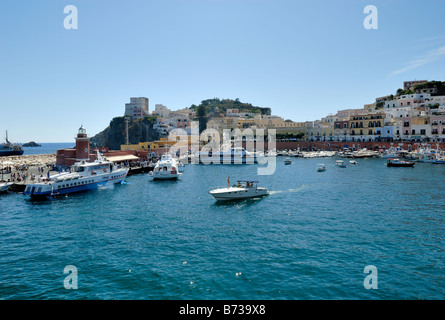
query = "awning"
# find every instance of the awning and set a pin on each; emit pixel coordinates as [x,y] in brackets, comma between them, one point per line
[122,158]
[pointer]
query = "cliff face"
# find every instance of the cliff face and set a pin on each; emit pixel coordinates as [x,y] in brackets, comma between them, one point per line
[114,135]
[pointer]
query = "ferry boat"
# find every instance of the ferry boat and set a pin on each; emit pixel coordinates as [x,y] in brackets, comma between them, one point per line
[234,155]
[399,163]
[166,168]
[242,190]
[9,149]
[83,176]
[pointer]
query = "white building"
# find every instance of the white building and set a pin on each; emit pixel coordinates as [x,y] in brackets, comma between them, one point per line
[408,100]
[162,111]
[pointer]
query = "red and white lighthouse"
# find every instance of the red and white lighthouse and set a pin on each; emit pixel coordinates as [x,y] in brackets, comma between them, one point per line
[82,145]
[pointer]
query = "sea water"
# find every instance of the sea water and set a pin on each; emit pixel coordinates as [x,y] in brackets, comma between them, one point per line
[311,238]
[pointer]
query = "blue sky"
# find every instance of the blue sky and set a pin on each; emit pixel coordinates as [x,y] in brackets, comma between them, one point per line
[303,59]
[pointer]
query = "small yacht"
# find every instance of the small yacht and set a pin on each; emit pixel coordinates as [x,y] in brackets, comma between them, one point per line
[287,161]
[83,176]
[166,168]
[4,186]
[353,162]
[340,164]
[321,168]
[242,190]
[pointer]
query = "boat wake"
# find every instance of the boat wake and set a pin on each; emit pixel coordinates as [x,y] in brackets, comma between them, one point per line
[300,188]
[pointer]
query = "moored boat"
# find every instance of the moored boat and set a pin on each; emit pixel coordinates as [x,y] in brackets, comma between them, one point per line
[83,176]
[399,163]
[4,186]
[439,161]
[234,155]
[340,164]
[9,149]
[166,168]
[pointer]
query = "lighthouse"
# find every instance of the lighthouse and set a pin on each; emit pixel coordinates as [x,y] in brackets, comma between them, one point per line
[82,145]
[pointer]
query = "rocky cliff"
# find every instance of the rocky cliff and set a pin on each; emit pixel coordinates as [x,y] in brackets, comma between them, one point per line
[114,135]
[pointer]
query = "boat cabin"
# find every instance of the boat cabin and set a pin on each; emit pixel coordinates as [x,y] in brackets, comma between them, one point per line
[245,184]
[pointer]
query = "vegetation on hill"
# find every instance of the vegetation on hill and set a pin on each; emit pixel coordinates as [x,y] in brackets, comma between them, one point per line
[439,85]
[215,107]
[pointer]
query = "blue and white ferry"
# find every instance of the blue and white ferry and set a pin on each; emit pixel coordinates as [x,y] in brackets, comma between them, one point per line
[83,176]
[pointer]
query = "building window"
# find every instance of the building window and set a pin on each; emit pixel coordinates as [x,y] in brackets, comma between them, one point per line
[422,131]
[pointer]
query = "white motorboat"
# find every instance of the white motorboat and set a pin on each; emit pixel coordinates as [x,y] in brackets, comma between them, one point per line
[321,168]
[166,168]
[242,190]
[287,161]
[4,186]
[83,176]
[353,162]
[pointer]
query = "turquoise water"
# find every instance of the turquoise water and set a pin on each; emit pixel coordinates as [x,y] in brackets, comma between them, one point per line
[311,238]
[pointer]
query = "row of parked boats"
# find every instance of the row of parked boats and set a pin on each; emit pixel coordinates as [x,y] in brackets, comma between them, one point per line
[427,155]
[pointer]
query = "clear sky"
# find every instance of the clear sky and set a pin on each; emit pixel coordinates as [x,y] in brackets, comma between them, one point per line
[303,59]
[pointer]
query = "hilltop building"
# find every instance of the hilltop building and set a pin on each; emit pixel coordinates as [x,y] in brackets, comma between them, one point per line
[409,85]
[137,108]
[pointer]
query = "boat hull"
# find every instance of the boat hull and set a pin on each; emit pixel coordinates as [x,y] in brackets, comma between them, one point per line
[238,193]
[409,165]
[4,187]
[169,176]
[11,153]
[56,189]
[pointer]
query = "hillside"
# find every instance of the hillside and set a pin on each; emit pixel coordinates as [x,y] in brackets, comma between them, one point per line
[217,106]
[438,85]
[214,107]
[114,135]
